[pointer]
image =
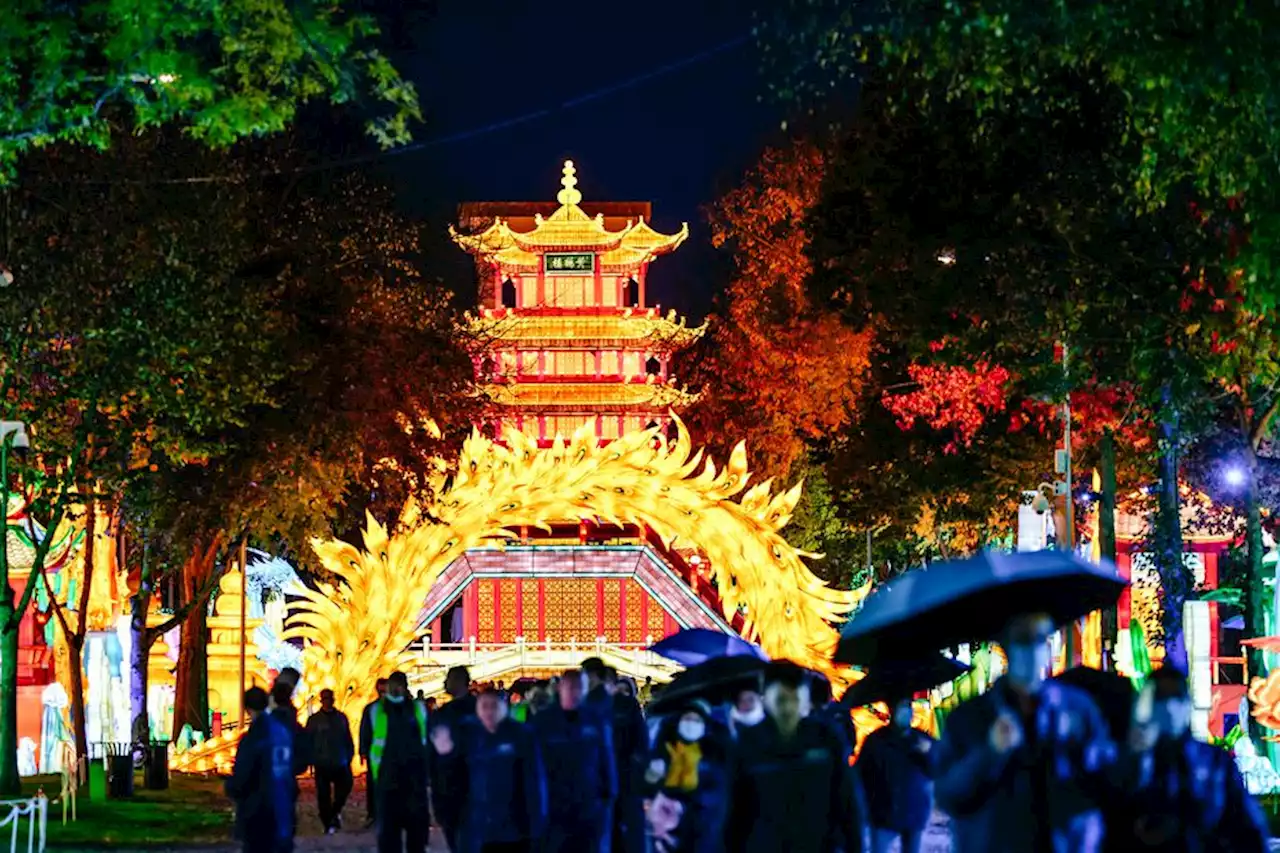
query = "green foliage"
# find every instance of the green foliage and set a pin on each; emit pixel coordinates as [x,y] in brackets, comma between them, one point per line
[1228,742]
[1198,79]
[223,71]
[1141,657]
[817,527]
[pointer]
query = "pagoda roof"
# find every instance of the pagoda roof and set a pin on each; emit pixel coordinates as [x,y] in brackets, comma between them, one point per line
[578,396]
[516,242]
[629,328]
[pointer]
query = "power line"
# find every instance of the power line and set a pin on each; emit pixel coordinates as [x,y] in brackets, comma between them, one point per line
[482,130]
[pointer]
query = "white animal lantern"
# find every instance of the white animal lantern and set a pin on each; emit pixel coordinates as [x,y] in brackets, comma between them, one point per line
[54,730]
[27,757]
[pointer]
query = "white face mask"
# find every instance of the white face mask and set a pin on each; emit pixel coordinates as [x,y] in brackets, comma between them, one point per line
[754,717]
[691,731]
[395,700]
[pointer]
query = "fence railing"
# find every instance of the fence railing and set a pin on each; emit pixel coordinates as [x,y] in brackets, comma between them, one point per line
[490,660]
[34,813]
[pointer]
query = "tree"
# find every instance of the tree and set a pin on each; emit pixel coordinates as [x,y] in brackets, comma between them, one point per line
[124,333]
[241,70]
[780,372]
[981,243]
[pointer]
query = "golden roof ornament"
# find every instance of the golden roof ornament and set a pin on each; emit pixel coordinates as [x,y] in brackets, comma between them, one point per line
[570,194]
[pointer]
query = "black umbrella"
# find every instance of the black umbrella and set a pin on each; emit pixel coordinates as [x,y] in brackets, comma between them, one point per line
[718,680]
[1113,694]
[963,600]
[893,679]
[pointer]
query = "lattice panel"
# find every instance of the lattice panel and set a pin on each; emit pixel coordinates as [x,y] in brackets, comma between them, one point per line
[507,610]
[485,600]
[571,609]
[636,629]
[657,621]
[570,291]
[530,626]
[613,611]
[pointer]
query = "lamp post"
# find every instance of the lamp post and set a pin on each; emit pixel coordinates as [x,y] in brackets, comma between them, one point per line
[244,602]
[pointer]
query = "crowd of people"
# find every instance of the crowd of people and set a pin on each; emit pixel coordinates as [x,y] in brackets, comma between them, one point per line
[579,764]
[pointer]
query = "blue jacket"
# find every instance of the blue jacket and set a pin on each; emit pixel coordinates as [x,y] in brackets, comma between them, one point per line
[577,751]
[503,784]
[1186,797]
[1043,796]
[262,782]
[898,777]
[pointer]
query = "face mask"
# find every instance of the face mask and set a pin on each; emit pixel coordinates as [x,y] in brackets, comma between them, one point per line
[902,716]
[754,717]
[395,700]
[1027,663]
[691,731]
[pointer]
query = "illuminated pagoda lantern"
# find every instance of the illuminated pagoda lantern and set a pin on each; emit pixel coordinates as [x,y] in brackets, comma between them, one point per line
[565,339]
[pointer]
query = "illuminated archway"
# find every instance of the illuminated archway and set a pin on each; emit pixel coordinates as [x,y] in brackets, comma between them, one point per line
[365,624]
[362,626]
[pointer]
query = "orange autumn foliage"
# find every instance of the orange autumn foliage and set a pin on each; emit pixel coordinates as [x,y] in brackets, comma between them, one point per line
[780,371]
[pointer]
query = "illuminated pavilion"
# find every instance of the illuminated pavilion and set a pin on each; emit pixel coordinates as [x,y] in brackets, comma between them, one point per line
[564,340]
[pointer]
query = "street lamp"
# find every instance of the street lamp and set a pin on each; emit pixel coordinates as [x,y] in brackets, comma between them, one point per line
[1234,476]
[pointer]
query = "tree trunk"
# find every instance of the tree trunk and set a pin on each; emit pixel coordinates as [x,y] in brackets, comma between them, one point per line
[10,781]
[75,641]
[1175,582]
[1107,537]
[140,655]
[75,657]
[191,699]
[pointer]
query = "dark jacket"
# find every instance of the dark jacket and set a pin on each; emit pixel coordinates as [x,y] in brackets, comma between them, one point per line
[504,786]
[366,729]
[837,716]
[446,793]
[898,778]
[288,716]
[797,796]
[701,827]
[262,783]
[403,768]
[330,736]
[577,751]
[1186,797]
[1046,794]
[628,730]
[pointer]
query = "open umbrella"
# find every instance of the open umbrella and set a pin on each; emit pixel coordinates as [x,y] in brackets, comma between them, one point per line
[955,602]
[693,646]
[718,680]
[891,679]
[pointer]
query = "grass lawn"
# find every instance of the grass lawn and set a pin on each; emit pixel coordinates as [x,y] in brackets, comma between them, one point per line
[194,810]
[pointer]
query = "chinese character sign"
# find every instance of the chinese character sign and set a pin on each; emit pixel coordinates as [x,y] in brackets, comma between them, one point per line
[564,263]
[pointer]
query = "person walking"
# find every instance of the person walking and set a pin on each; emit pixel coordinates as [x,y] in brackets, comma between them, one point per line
[262,781]
[577,751]
[366,741]
[792,788]
[504,799]
[332,751]
[1026,766]
[686,784]
[896,769]
[398,760]
[630,743]
[455,715]
[1180,795]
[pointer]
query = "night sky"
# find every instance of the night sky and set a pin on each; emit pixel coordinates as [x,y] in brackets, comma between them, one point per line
[677,139]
